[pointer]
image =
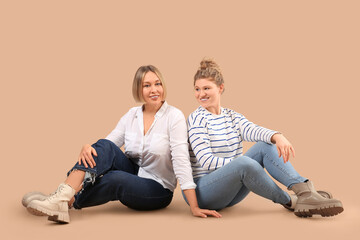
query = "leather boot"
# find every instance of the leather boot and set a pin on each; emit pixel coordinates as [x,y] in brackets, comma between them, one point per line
[310,202]
[27,198]
[294,199]
[54,206]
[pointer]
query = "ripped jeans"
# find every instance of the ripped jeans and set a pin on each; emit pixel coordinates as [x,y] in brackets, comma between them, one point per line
[115,178]
[231,183]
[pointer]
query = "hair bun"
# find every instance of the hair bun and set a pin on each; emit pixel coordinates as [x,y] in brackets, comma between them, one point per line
[209,70]
[207,63]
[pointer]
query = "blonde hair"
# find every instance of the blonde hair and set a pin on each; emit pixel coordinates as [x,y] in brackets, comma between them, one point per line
[138,79]
[210,70]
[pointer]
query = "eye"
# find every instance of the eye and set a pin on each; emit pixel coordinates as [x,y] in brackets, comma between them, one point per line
[146,85]
[197,89]
[206,88]
[158,84]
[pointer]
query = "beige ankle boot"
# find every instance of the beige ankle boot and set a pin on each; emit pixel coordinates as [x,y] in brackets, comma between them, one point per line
[294,199]
[310,202]
[28,197]
[54,206]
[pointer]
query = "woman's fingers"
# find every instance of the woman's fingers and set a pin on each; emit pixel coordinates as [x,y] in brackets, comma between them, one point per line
[293,151]
[89,158]
[216,214]
[205,213]
[285,152]
[284,155]
[86,156]
[279,151]
[93,151]
[89,161]
[212,213]
[84,162]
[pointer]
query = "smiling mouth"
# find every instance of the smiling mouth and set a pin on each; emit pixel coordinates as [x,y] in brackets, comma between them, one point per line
[154,97]
[204,99]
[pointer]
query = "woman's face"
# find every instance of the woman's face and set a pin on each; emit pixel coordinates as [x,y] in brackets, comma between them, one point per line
[152,89]
[207,93]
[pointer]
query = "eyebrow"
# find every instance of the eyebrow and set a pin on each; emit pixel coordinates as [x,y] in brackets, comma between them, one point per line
[158,80]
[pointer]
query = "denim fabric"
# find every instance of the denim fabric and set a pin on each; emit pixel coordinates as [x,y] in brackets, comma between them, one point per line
[231,183]
[115,178]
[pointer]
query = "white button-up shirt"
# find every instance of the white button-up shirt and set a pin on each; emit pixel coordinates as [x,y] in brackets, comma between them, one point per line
[162,153]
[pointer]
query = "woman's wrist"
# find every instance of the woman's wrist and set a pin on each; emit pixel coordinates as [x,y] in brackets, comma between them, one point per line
[192,207]
[275,136]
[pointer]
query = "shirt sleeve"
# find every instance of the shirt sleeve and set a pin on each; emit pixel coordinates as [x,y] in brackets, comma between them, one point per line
[179,152]
[200,144]
[253,133]
[117,136]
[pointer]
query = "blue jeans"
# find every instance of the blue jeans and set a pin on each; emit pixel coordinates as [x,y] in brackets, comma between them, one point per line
[115,178]
[230,184]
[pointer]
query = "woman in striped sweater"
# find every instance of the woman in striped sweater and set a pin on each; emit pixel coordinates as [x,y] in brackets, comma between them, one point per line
[224,176]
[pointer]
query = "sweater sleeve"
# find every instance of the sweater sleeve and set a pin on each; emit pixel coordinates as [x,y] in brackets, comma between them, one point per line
[179,151]
[251,132]
[200,143]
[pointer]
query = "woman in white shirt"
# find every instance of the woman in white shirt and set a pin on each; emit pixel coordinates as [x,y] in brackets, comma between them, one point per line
[154,136]
[224,176]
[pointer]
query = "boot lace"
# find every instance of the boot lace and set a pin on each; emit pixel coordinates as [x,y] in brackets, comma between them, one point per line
[56,193]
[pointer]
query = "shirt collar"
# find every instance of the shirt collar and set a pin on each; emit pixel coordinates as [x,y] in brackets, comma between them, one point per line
[201,108]
[159,113]
[162,110]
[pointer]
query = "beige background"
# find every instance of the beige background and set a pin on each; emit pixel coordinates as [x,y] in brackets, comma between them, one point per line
[66,69]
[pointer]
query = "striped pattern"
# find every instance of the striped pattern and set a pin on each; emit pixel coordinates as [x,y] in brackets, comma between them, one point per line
[217,139]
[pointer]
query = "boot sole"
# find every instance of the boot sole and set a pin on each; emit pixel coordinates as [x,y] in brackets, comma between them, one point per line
[328,211]
[35,212]
[56,216]
[58,219]
[325,194]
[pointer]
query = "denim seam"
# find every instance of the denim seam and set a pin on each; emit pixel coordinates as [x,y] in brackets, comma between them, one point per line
[281,169]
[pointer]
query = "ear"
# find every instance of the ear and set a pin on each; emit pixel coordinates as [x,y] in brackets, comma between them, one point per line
[221,87]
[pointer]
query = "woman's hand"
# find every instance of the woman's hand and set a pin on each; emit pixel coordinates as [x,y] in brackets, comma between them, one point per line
[198,212]
[86,157]
[283,146]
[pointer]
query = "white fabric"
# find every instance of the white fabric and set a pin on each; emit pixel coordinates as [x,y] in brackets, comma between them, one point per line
[163,152]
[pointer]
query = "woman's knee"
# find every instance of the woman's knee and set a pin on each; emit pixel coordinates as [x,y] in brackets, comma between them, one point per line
[103,143]
[246,164]
[265,146]
[107,148]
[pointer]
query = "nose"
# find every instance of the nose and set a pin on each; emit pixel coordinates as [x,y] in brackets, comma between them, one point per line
[201,94]
[153,88]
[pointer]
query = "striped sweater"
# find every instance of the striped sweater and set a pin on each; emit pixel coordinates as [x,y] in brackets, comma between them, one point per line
[217,139]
